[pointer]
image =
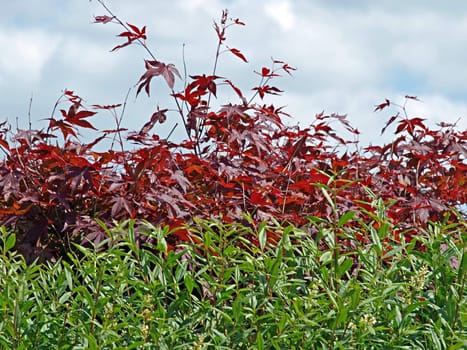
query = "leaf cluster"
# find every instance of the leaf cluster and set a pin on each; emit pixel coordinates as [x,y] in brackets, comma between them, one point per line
[238,158]
[225,292]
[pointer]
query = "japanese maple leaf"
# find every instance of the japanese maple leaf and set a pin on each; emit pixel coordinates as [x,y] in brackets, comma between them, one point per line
[158,116]
[155,68]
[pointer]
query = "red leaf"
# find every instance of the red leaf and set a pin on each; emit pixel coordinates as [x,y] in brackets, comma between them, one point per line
[155,68]
[107,106]
[113,131]
[288,68]
[136,35]
[239,54]
[120,46]
[4,143]
[139,32]
[192,97]
[382,105]
[390,121]
[203,82]
[126,35]
[82,123]
[83,114]
[103,19]
[267,73]
[119,203]
[410,124]
[236,89]
[258,199]
[64,127]
[266,89]
[158,116]
[220,32]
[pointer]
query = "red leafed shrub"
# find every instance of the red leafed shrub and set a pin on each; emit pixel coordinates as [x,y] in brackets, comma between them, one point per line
[241,158]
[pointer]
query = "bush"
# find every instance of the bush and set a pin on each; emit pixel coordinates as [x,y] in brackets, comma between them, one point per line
[226,292]
[56,189]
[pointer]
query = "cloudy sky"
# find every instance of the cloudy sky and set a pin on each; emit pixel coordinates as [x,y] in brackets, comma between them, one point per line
[349,55]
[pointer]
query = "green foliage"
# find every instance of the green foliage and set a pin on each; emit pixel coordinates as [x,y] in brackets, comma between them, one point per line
[226,291]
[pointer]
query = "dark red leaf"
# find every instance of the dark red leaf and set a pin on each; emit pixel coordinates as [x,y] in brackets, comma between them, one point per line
[288,69]
[158,116]
[82,123]
[266,89]
[390,121]
[82,115]
[382,105]
[139,32]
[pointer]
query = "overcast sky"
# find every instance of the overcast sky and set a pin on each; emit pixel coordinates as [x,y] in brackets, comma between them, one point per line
[349,55]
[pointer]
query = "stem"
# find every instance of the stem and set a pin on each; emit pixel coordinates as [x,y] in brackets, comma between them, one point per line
[141,42]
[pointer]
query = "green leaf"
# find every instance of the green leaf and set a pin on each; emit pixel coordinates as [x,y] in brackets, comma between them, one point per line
[259,341]
[10,242]
[344,267]
[262,237]
[345,218]
[326,257]
[189,282]
[329,199]
[463,266]
[376,241]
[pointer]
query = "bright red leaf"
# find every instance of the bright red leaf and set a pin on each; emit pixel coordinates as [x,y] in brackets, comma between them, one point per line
[239,54]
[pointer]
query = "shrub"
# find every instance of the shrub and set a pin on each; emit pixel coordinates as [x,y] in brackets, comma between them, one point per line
[56,188]
[226,292]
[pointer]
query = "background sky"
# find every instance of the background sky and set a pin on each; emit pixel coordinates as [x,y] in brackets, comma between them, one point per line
[349,55]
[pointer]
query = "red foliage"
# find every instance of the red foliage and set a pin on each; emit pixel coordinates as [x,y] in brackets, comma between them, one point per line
[238,159]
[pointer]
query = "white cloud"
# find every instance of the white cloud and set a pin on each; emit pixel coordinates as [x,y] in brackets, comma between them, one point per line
[24,55]
[282,13]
